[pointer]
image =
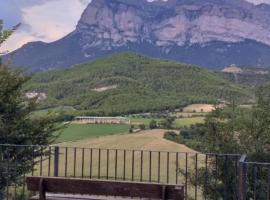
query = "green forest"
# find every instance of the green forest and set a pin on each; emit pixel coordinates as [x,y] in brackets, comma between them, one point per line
[134,83]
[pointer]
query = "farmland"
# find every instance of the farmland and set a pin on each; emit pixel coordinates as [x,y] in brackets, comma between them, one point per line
[73,132]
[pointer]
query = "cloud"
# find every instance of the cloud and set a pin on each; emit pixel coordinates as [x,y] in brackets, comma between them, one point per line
[47,20]
[259,1]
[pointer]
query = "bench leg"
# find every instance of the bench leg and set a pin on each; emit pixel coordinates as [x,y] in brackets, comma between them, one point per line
[42,191]
[164,192]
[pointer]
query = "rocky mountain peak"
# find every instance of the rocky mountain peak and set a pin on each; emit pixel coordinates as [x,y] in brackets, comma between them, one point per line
[212,33]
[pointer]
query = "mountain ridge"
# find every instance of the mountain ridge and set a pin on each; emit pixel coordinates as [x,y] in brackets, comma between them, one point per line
[207,33]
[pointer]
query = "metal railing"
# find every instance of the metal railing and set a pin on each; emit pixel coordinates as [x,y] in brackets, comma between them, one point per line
[205,176]
[254,179]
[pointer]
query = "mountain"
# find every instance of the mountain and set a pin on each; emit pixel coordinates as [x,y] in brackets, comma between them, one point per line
[130,83]
[208,33]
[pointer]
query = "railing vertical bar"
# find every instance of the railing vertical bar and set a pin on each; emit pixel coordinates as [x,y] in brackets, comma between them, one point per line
[33,161]
[17,174]
[116,164]
[83,163]
[141,177]
[196,176]
[255,182]
[206,176]
[132,173]
[99,162]
[56,161]
[216,173]
[49,162]
[186,177]
[124,167]
[75,164]
[41,158]
[8,173]
[24,179]
[226,178]
[91,162]
[159,167]
[268,183]
[66,160]
[243,170]
[150,166]
[107,163]
[236,177]
[176,167]
[168,166]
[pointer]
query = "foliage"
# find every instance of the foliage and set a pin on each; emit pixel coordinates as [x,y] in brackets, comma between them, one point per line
[139,85]
[229,130]
[153,124]
[142,126]
[167,123]
[17,127]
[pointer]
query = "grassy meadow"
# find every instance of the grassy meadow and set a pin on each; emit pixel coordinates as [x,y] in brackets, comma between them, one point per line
[74,132]
[179,122]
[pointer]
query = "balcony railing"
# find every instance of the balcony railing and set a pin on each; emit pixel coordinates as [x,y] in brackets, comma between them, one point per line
[205,176]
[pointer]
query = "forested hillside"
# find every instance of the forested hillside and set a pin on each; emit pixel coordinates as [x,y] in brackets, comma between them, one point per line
[130,83]
[250,78]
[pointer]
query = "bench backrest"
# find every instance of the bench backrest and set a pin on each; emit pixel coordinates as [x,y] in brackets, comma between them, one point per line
[103,188]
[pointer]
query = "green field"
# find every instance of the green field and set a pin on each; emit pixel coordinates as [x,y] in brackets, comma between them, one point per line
[74,132]
[188,121]
[179,123]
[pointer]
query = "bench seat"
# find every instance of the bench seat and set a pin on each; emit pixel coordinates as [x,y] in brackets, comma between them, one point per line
[51,188]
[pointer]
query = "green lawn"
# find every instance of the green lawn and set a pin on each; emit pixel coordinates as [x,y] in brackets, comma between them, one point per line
[180,122]
[188,121]
[74,132]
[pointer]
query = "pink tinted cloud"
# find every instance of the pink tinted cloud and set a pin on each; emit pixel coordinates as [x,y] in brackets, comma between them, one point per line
[46,22]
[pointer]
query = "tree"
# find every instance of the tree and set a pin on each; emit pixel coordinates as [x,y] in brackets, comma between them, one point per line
[153,124]
[142,126]
[167,123]
[19,127]
[4,34]
[237,131]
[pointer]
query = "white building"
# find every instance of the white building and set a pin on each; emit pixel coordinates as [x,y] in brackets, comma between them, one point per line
[101,120]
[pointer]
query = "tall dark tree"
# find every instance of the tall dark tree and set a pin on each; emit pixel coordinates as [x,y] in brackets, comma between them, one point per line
[18,126]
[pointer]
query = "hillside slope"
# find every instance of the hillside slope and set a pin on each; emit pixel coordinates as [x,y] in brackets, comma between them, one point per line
[248,77]
[129,83]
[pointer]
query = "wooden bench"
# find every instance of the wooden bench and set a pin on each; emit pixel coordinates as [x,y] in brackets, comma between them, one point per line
[108,189]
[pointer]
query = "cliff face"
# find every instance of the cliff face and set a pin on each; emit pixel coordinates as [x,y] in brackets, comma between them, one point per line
[194,31]
[115,23]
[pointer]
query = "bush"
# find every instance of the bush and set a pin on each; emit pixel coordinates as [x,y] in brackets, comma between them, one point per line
[142,126]
[153,124]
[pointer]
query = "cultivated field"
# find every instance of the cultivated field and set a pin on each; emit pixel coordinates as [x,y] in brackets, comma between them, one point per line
[180,122]
[199,108]
[74,132]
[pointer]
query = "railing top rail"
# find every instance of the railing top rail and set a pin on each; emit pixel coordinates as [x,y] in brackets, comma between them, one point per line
[259,163]
[114,149]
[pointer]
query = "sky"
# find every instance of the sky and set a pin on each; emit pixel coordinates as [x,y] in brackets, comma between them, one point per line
[44,20]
